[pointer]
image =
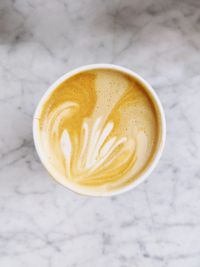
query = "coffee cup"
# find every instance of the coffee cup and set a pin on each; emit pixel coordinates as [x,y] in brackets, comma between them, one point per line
[109,103]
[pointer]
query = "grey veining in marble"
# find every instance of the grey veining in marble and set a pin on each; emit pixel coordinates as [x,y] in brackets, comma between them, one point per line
[41,223]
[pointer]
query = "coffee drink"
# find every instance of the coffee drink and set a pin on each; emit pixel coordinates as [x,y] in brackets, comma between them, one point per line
[98,131]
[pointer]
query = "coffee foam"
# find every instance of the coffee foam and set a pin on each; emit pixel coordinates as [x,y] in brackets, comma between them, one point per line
[98,131]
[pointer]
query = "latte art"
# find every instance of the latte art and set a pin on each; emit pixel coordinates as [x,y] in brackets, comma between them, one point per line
[96,157]
[98,130]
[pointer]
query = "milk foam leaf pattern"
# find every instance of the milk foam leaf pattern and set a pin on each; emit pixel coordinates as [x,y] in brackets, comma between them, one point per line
[98,151]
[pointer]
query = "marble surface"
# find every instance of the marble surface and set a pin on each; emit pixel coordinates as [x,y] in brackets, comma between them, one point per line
[41,223]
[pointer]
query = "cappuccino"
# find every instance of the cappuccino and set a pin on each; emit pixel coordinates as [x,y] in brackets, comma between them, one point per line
[98,131]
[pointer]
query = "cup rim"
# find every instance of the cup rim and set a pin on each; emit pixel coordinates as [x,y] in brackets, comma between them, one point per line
[148,87]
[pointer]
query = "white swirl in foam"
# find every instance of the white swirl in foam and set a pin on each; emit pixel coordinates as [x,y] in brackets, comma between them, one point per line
[96,150]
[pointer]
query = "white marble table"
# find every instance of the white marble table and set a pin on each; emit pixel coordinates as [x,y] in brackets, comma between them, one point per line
[41,223]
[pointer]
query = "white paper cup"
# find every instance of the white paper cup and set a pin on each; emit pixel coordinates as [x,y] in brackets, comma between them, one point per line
[153,95]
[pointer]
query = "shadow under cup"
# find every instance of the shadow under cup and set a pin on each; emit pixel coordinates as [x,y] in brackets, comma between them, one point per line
[97,190]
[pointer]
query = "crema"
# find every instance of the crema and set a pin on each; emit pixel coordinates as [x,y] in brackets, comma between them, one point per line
[98,130]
